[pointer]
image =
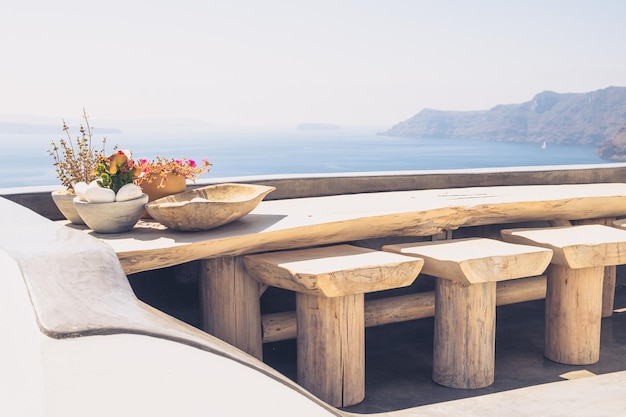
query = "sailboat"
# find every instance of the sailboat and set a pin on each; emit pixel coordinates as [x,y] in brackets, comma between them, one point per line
[543,145]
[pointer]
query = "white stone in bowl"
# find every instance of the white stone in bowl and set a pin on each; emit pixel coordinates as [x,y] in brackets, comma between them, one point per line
[97,195]
[128,192]
[80,188]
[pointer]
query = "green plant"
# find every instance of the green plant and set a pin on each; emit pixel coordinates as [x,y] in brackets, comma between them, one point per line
[116,170]
[76,162]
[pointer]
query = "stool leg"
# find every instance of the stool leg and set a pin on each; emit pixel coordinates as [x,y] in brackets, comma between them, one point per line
[608,292]
[573,314]
[464,342]
[331,347]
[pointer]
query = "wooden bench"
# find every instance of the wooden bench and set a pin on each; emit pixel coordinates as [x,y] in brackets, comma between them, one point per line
[330,283]
[574,285]
[467,271]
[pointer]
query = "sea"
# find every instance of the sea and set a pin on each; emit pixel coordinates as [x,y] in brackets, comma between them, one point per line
[24,158]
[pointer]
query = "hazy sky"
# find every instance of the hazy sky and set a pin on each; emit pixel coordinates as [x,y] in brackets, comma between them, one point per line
[269,62]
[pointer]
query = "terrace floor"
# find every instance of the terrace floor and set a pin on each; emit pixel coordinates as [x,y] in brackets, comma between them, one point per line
[399,356]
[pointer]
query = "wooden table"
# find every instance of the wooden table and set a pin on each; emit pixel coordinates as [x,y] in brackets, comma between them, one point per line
[230,300]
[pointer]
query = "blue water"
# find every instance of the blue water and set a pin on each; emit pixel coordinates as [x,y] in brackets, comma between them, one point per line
[24,160]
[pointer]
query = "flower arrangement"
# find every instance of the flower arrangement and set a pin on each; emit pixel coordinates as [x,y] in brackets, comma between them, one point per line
[115,176]
[116,170]
[159,168]
[75,161]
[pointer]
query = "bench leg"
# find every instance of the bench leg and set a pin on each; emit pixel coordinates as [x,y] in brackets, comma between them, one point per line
[231,306]
[331,347]
[464,341]
[573,314]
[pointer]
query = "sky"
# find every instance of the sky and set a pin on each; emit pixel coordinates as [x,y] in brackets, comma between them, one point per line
[246,64]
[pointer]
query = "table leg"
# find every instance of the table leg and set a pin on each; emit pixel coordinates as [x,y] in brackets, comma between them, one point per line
[608,290]
[230,303]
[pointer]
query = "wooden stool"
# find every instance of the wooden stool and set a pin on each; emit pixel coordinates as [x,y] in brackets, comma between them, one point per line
[330,283]
[465,301]
[574,291]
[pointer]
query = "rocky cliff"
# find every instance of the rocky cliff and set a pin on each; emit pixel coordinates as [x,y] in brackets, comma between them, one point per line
[615,148]
[573,118]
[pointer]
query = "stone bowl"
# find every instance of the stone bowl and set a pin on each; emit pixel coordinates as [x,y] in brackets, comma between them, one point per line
[208,207]
[116,217]
[65,203]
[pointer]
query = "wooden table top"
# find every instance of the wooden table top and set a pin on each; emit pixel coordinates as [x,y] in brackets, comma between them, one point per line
[301,222]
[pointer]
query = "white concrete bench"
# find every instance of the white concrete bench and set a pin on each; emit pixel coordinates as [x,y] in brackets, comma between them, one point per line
[575,285]
[330,283]
[74,333]
[467,271]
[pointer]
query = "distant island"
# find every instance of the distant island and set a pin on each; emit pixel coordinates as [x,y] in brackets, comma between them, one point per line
[317,126]
[593,118]
[8,126]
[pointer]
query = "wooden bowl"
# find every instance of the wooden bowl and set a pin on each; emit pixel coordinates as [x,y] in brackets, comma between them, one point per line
[208,207]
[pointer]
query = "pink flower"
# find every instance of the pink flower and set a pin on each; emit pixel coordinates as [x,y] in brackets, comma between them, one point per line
[160,167]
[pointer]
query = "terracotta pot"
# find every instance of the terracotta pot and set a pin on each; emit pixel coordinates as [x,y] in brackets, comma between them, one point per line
[173,184]
[65,203]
